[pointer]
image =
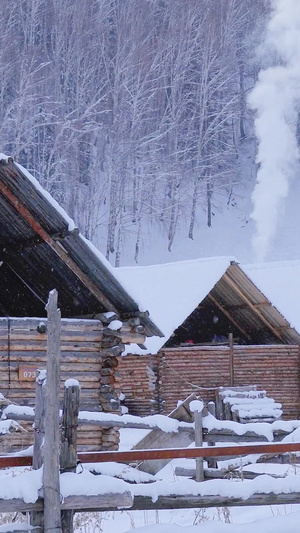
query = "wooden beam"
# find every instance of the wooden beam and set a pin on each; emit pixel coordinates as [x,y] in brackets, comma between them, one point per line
[189,453]
[68,445]
[101,502]
[11,461]
[52,518]
[55,246]
[231,359]
[37,518]
[214,435]
[118,502]
[222,473]
[199,443]
[191,501]
[228,315]
[160,439]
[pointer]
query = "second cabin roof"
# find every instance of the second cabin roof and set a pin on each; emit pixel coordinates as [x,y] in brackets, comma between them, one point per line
[174,291]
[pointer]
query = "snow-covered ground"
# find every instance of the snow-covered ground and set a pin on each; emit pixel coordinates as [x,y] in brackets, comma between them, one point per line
[264,519]
[23,483]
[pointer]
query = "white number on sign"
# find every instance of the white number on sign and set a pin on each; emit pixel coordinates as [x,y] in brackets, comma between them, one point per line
[29,374]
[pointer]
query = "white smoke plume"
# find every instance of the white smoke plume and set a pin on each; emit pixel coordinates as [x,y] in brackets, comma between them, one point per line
[275,99]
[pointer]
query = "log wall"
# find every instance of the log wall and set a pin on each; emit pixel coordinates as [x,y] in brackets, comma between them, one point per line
[139,382]
[23,346]
[180,371]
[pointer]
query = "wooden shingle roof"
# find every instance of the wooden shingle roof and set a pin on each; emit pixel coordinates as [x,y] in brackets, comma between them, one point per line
[40,249]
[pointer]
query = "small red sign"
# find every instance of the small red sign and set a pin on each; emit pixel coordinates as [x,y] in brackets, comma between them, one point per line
[28,373]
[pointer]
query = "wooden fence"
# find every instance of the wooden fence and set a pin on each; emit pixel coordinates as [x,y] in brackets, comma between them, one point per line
[56,449]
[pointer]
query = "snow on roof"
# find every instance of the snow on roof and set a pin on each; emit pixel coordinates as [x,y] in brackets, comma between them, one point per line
[63,213]
[279,282]
[60,210]
[171,292]
[46,194]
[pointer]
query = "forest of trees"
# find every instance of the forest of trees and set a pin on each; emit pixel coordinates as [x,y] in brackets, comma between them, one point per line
[130,112]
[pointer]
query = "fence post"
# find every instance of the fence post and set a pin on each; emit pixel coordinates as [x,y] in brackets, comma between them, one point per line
[68,448]
[231,359]
[211,462]
[37,517]
[196,407]
[52,519]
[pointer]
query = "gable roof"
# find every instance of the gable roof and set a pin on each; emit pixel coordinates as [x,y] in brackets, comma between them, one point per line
[173,291]
[280,282]
[41,249]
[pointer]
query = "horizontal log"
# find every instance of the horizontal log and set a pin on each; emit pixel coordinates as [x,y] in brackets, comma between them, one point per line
[25,324]
[101,502]
[223,435]
[65,346]
[282,459]
[117,502]
[87,396]
[37,355]
[16,385]
[70,336]
[191,501]
[222,473]
[126,337]
[10,461]
[189,453]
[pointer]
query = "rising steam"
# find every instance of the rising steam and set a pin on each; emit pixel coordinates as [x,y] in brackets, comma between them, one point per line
[275,99]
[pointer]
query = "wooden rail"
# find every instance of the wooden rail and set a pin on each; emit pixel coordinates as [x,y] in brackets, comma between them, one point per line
[136,456]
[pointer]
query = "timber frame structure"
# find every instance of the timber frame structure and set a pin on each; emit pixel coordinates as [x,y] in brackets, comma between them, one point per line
[39,251]
[42,250]
[250,343]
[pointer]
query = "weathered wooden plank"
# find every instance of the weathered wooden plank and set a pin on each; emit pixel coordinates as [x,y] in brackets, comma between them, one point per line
[222,473]
[189,453]
[21,394]
[70,336]
[37,518]
[25,324]
[68,445]
[117,502]
[92,376]
[159,439]
[31,346]
[101,502]
[126,337]
[36,355]
[52,514]
[199,442]
[191,501]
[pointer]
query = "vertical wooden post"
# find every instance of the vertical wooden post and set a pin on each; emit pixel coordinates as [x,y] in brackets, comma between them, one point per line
[198,444]
[39,420]
[52,520]
[196,407]
[37,517]
[231,361]
[219,406]
[68,449]
[211,462]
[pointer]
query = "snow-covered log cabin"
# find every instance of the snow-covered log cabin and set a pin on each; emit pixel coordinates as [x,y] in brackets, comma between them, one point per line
[224,325]
[41,249]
